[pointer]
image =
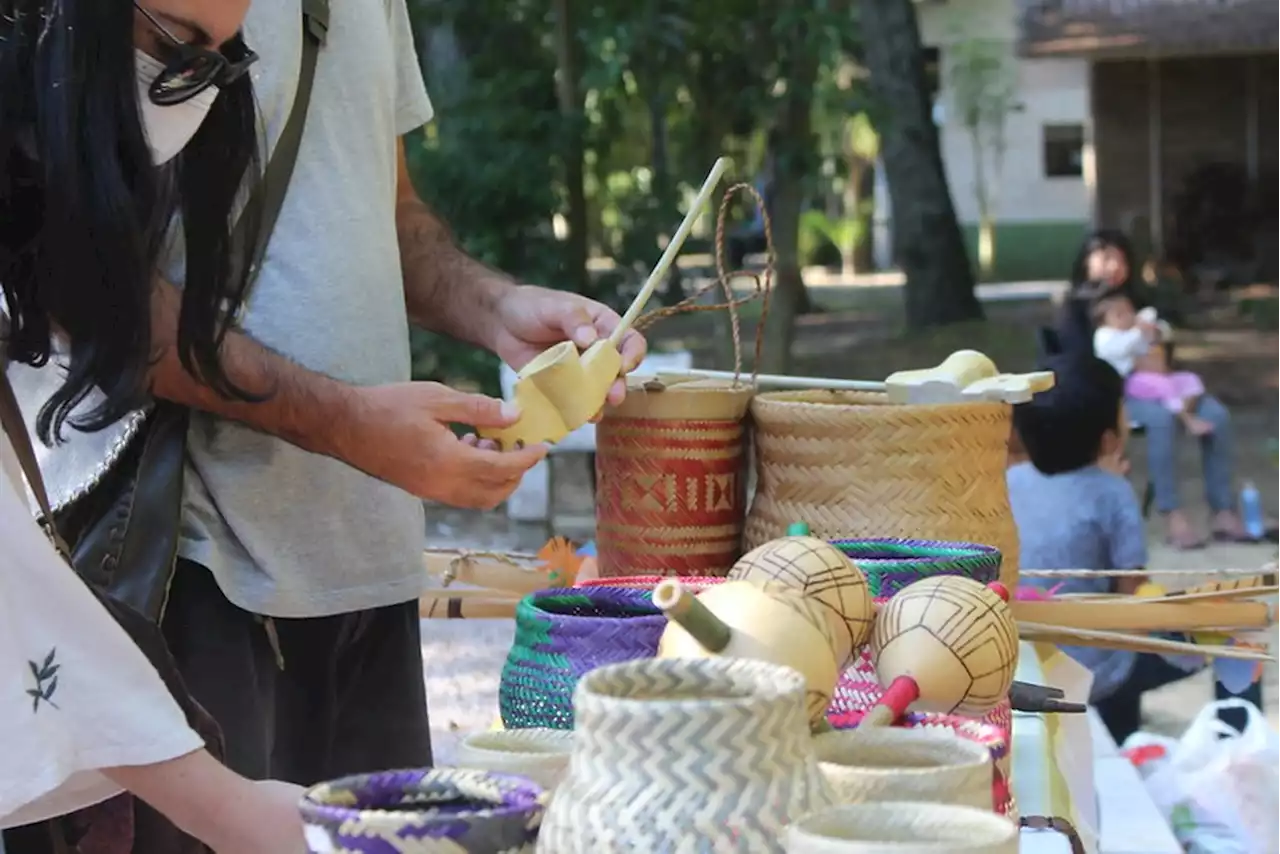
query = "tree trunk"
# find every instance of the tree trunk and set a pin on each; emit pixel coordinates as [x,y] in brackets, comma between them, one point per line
[927,240]
[792,156]
[864,213]
[982,193]
[569,96]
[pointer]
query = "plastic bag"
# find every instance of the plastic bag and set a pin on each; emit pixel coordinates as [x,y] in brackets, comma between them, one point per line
[1216,786]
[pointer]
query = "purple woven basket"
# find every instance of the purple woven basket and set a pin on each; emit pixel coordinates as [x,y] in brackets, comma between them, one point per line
[439,810]
[562,634]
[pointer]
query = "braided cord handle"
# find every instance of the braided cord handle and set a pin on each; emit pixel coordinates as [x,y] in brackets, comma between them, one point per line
[763,283]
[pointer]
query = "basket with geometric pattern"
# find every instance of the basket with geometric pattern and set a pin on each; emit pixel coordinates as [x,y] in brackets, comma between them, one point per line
[891,564]
[563,633]
[432,811]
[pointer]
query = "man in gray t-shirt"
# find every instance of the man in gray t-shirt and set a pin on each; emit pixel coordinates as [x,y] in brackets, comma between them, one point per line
[293,615]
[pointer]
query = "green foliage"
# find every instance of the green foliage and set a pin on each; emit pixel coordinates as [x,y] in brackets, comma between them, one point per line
[664,87]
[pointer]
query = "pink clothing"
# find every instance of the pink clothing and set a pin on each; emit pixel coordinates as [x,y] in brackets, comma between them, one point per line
[1171,389]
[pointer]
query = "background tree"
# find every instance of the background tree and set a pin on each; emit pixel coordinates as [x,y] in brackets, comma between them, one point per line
[983,83]
[927,241]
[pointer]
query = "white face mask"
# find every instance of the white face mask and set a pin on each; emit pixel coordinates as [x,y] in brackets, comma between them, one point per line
[168,129]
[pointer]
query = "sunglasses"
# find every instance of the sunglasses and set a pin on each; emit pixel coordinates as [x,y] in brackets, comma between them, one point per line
[191,69]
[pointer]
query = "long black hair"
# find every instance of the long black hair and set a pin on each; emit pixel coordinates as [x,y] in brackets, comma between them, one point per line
[84,213]
[1102,238]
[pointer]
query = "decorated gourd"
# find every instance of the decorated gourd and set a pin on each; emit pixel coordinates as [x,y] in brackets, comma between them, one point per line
[948,644]
[824,575]
[742,619]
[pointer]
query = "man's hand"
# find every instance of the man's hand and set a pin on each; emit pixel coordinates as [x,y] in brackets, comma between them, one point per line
[400,435]
[528,320]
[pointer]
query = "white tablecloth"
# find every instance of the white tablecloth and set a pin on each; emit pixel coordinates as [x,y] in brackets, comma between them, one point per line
[1068,766]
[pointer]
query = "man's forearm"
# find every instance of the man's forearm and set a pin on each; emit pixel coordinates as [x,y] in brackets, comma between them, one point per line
[446,290]
[302,407]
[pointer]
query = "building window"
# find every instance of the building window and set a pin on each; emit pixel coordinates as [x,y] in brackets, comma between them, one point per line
[1063,151]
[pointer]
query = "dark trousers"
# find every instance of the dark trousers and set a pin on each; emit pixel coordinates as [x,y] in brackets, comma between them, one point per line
[302,700]
[1122,711]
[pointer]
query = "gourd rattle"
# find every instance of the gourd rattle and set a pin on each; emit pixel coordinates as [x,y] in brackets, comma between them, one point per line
[822,573]
[948,643]
[739,619]
[964,375]
[562,389]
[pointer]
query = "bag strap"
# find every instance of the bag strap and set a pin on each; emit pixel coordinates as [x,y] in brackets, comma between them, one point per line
[268,197]
[16,429]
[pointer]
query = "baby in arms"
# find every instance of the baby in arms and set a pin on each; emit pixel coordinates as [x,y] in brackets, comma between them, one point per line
[1135,344]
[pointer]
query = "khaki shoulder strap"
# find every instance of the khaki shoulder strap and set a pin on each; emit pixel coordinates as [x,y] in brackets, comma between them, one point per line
[268,198]
[16,429]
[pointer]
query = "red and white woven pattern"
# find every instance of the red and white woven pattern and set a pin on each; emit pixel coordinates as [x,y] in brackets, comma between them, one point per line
[858,690]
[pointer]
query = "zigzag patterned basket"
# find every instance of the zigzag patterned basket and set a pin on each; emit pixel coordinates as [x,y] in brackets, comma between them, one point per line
[561,635]
[686,755]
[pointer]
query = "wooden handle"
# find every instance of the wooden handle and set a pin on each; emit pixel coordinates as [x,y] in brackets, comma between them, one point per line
[895,700]
[684,609]
[672,250]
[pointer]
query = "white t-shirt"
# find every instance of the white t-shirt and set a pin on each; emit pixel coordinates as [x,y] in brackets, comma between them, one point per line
[76,694]
[1120,347]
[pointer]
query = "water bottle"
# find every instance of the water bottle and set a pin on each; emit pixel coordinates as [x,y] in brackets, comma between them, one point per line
[1251,510]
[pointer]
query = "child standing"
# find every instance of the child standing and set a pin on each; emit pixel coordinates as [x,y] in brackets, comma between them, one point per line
[1133,343]
[1075,511]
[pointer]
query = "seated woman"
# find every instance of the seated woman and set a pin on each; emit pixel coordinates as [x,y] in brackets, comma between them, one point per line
[1104,268]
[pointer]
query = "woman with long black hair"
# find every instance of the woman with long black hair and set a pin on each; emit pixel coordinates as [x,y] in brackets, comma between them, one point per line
[1104,266]
[115,117]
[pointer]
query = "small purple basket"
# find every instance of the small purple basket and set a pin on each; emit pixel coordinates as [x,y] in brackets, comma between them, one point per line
[562,634]
[428,811]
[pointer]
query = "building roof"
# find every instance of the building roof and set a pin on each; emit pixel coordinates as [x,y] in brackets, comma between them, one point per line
[1102,28]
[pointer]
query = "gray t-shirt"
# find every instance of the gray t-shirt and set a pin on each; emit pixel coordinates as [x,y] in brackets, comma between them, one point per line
[1085,519]
[288,533]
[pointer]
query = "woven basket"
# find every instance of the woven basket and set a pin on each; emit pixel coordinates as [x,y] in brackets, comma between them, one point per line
[440,811]
[895,764]
[902,828]
[542,755]
[694,583]
[560,635]
[851,464]
[892,564]
[685,755]
[994,737]
[671,469]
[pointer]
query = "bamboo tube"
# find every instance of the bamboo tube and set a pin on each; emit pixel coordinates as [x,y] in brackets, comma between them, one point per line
[1143,615]
[684,609]
[1135,643]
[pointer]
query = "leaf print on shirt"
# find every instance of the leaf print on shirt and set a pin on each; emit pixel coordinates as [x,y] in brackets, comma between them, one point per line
[46,677]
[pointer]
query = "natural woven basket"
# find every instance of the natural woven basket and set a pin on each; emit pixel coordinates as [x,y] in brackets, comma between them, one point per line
[671,469]
[540,754]
[896,764]
[562,634]
[851,464]
[891,827]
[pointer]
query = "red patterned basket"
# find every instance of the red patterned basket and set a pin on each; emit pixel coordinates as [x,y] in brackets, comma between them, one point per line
[671,470]
[647,582]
